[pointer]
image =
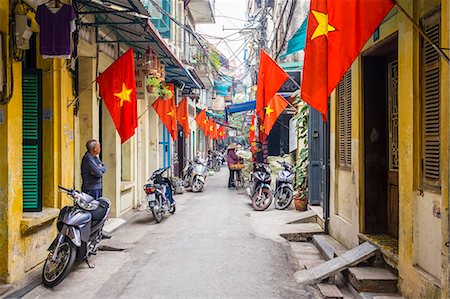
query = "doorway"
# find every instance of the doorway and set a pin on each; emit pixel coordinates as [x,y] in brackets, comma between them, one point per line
[380,114]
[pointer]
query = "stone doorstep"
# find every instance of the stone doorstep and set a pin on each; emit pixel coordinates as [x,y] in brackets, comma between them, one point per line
[351,258]
[371,279]
[329,291]
[113,224]
[302,232]
[367,295]
[308,216]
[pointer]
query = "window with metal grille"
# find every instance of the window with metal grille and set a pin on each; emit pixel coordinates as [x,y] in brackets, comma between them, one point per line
[345,120]
[431,98]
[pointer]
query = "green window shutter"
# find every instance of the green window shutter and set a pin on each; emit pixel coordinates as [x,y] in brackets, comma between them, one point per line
[431,103]
[30,148]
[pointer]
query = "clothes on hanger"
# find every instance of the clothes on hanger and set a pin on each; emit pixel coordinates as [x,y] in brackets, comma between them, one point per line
[56,27]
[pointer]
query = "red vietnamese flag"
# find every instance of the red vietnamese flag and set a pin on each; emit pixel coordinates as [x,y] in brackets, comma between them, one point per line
[251,133]
[167,113]
[182,116]
[202,121]
[270,78]
[274,108]
[210,128]
[220,132]
[117,88]
[216,132]
[337,31]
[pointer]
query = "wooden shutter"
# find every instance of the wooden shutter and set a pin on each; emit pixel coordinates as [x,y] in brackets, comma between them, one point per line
[31,177]
[430,72]
[345,120]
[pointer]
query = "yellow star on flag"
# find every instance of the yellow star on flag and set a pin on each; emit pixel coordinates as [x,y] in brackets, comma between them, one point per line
[204,122]
[124,94]
[220,133]
[269,110]
[171,113]
[211,128]
[261,128]
[323,28]
[252,128]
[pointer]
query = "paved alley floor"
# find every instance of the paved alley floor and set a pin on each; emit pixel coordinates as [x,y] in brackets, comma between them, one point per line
[208,248]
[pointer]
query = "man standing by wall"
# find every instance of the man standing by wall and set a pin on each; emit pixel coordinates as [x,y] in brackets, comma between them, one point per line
[92,170]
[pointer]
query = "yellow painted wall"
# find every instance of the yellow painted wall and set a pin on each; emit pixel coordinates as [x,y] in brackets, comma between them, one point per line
[16,239]
[423,258]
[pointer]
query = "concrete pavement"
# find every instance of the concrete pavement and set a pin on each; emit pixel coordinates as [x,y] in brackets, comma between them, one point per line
[215,245]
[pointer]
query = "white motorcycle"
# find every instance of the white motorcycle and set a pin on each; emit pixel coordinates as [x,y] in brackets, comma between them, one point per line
[194,175]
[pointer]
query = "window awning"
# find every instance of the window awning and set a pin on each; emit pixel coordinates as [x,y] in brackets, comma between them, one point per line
[130,22]
[246,106]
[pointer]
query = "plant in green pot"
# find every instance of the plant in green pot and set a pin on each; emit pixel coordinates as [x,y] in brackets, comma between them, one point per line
[152,84]
[165,93]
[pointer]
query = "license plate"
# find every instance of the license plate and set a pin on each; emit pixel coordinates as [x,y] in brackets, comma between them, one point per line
[151,197]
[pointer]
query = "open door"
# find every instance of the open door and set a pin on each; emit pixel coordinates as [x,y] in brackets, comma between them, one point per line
[381,166]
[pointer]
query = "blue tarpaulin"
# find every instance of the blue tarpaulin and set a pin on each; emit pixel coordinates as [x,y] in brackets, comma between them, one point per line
[246,106]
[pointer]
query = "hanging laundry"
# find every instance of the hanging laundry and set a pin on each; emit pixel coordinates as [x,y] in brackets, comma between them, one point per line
[56,27]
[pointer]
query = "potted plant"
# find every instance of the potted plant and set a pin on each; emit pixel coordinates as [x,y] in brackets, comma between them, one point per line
[165,93]
[151,84]
[301,169]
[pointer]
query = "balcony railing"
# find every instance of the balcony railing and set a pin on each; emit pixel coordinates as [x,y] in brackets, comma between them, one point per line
[160,20]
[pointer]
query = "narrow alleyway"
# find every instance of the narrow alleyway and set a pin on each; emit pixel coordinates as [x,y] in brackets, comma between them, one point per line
[208,248]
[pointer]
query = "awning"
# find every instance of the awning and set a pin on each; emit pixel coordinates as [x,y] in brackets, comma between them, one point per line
[131,23]
[246,106]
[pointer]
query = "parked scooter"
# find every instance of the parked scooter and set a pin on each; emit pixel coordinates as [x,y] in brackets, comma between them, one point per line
[194,175]
[79,234]
[260,191]
[284,189]
[159,196]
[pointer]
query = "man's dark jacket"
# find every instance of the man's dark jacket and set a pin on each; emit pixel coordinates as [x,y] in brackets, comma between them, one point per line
[92,170]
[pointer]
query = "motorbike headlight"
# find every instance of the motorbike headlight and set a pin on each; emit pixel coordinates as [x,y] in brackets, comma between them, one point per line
[82,203]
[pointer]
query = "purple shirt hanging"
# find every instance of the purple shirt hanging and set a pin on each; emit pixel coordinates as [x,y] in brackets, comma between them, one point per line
[55,30]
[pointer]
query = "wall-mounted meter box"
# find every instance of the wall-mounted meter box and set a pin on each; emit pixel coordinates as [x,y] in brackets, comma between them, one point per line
[23,31]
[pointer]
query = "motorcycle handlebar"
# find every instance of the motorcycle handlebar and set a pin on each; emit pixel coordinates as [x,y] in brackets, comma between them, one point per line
[65,189]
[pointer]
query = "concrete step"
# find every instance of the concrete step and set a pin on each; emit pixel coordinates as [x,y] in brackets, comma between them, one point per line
[328,246]
[368,295]
[349,259]
[302,232]
[329,291]
[308,216]
[371,279]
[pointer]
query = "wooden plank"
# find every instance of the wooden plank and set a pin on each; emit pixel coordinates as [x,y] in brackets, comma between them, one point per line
[330,291]
[333,266]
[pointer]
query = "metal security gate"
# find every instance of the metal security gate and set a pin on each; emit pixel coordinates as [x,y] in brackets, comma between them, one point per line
[31,141]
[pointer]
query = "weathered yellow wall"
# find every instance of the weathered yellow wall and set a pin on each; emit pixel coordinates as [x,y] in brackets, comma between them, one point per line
[423,257]
[15,241]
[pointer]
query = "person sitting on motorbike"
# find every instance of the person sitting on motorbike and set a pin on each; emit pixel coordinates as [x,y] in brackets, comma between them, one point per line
[232,158]
[257,154]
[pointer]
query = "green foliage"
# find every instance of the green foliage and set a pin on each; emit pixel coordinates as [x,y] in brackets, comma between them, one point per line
[152,81]
[215,60]
[165,92]
[301,167]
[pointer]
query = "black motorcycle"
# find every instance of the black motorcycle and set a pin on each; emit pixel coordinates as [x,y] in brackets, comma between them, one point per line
[159,194]
[79,235]
[260,191]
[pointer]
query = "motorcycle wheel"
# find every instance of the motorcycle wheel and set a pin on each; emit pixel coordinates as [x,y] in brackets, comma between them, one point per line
[54,272]
[283,199]
[157,211]
[197,186]
[260,203]
[172,209]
